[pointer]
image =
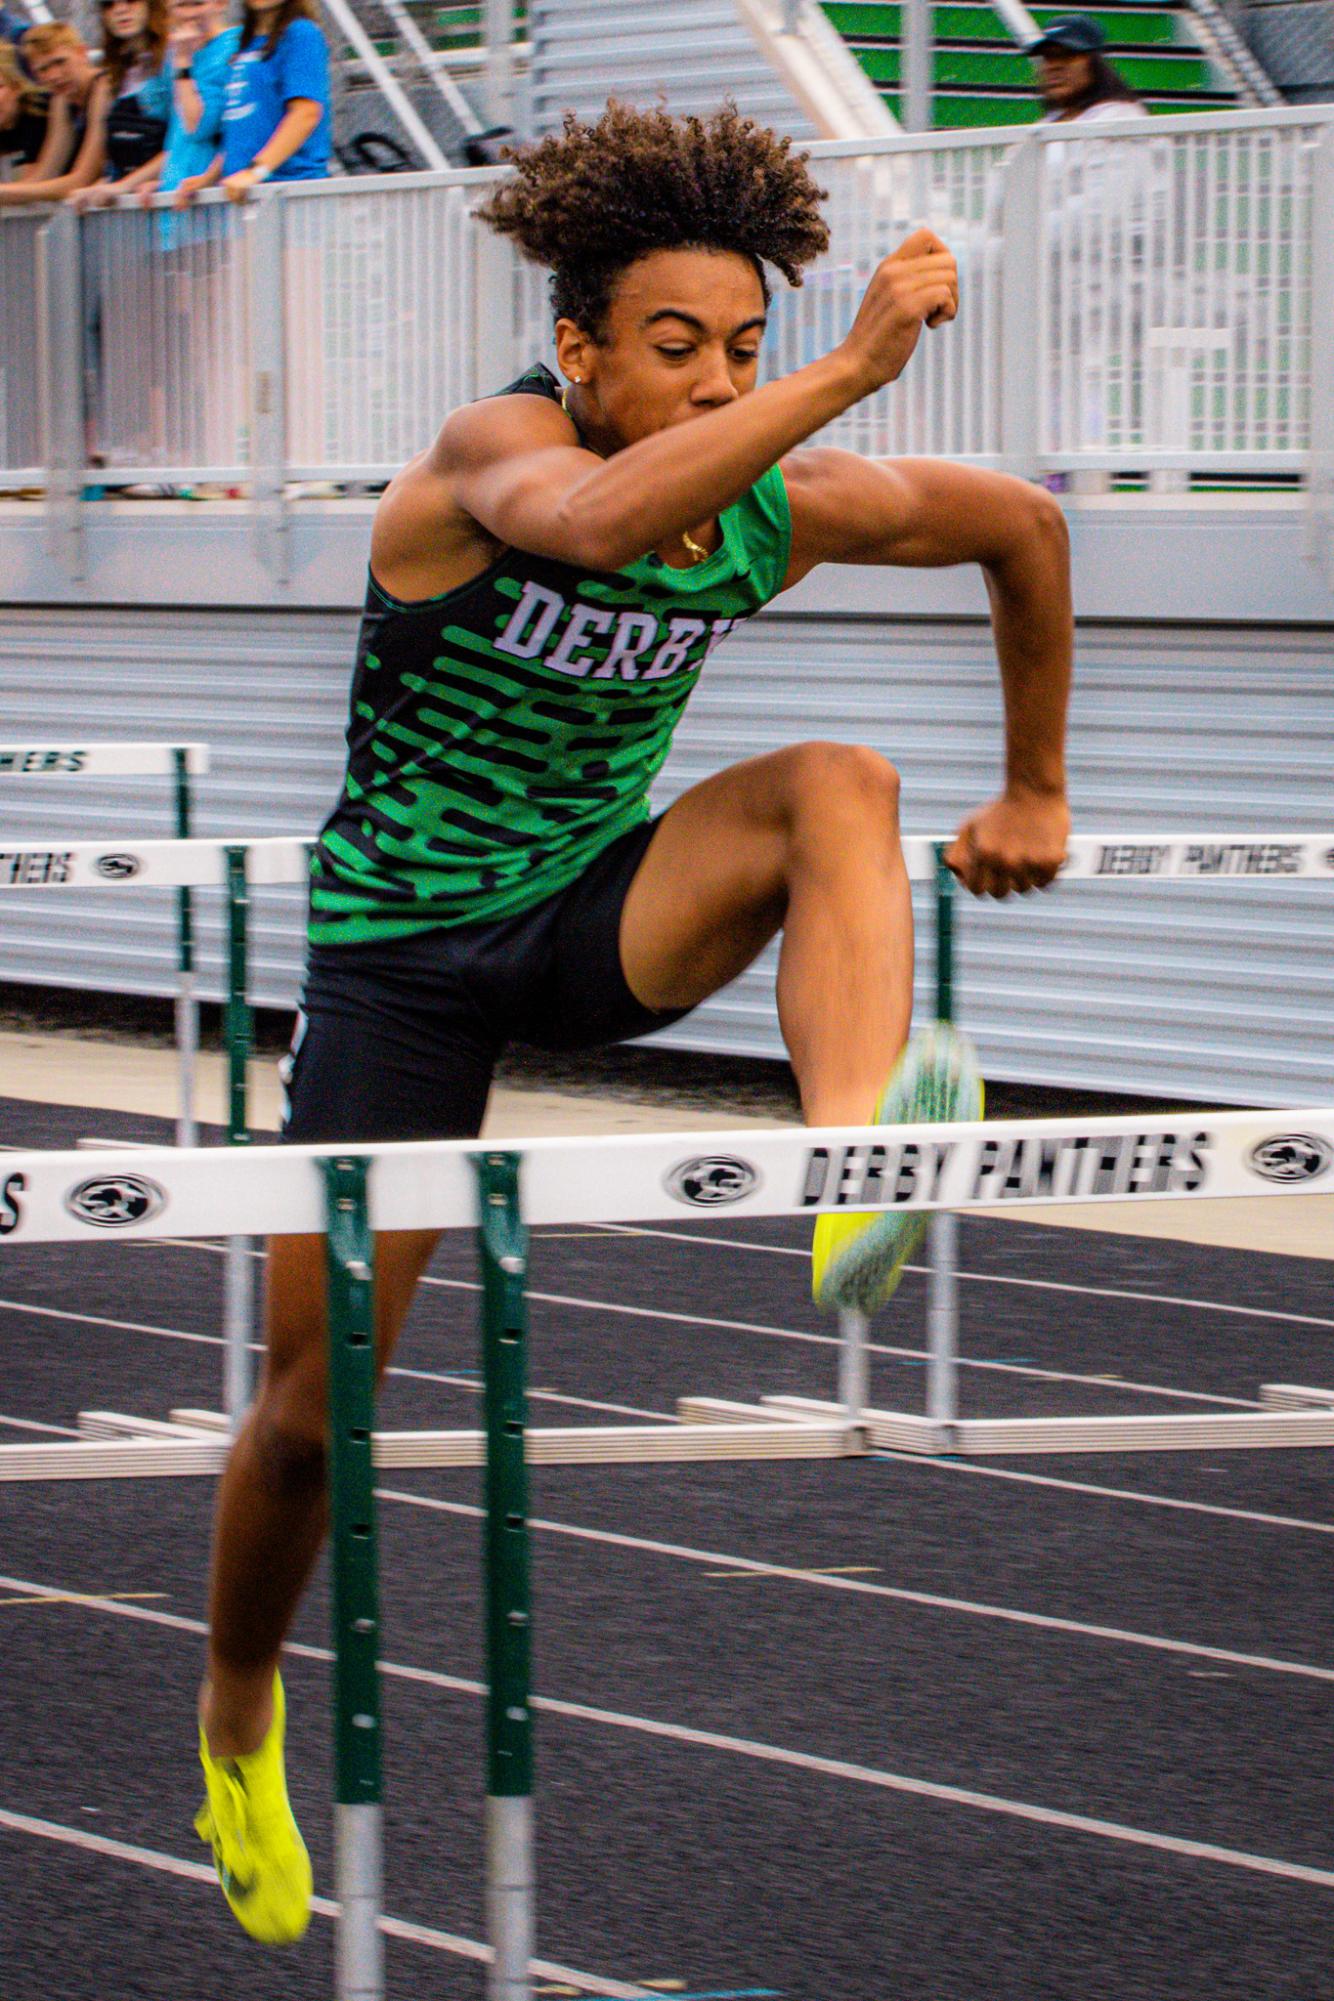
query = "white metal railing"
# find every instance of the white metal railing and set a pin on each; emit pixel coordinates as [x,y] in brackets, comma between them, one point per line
[1177,312]
[23,450]
[949,400]
[166,315]
[1134,297]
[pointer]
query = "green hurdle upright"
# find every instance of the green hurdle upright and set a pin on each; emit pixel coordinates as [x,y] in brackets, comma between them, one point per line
[942,1237]
[187,1002]
[942,1231]
[510,1894]
[238,1310]
[356,1612]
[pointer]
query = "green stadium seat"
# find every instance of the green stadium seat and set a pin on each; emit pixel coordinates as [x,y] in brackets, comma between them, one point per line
[981,77]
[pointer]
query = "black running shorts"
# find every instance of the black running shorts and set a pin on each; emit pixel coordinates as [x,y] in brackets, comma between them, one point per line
[399,1040]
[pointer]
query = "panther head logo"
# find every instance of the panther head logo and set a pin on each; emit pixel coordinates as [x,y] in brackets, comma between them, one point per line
[713,1181]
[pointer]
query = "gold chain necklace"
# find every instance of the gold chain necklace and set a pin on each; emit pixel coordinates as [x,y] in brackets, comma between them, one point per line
[695,550]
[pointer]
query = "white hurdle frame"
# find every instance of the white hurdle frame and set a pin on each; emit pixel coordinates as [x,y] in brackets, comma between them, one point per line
[180,762]
[940,1169]
[186,865]
[160,1192]
[1219,859]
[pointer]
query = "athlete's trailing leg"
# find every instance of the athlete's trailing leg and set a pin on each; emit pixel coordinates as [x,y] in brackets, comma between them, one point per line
[271,1516]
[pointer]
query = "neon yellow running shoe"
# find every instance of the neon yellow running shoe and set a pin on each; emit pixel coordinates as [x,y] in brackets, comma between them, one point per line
[246,1819]
[857,1260]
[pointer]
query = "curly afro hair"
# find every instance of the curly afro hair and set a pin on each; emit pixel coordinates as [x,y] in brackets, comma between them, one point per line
[590,200]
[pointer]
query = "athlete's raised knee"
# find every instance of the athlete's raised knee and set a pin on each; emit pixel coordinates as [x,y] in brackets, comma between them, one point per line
[831,781]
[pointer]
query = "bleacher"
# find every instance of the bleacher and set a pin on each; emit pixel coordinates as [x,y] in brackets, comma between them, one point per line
[453,27]
[981,78]
[980,75]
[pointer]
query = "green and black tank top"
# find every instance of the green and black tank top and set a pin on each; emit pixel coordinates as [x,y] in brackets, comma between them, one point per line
[502,735]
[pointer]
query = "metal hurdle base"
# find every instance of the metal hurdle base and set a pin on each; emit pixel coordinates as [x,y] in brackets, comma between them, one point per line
[116,1445]
[1289,1416]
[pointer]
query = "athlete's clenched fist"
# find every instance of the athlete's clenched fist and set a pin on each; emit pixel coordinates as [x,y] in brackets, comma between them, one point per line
[917,285]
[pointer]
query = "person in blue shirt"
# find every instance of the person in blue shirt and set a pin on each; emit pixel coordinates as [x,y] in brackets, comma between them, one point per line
[276,122]
[200,50]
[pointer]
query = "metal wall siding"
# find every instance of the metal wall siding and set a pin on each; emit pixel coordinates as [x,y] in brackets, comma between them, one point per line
[1218,991]
[696,53]
[267,693]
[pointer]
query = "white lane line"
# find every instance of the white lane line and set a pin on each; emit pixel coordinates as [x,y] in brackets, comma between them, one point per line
[462,1382]
[832,1341]
[473,1382]
[803,1761]
[1043,1816]
[826,1570]
[930,1601]
[1047,1622]
[78,1597]
[1209,1508]
[323,1907]
[1254,1515]
[1027,1370]
[989,1277]
[117,1326]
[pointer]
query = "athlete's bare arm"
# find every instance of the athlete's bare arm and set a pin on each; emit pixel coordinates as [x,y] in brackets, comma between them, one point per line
[921,513]
[510,471]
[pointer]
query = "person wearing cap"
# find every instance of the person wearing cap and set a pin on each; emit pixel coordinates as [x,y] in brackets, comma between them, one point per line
[1086,183]
[1075,77]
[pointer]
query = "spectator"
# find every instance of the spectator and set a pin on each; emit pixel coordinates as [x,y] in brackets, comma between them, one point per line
[202,46]
[1096,216]
[198,252]
[28,133]
[138,98]
[1075,78]
[276,122]
[60,63]
[13,27]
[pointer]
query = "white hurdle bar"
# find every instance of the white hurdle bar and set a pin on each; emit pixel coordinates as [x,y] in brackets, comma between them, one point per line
[178,761]
[76,757]
[1139,858]
[1126,859]
[186,865]
[151,1193]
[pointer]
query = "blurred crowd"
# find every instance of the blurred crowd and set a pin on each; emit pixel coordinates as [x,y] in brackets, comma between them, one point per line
[173,101]
[176,100]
